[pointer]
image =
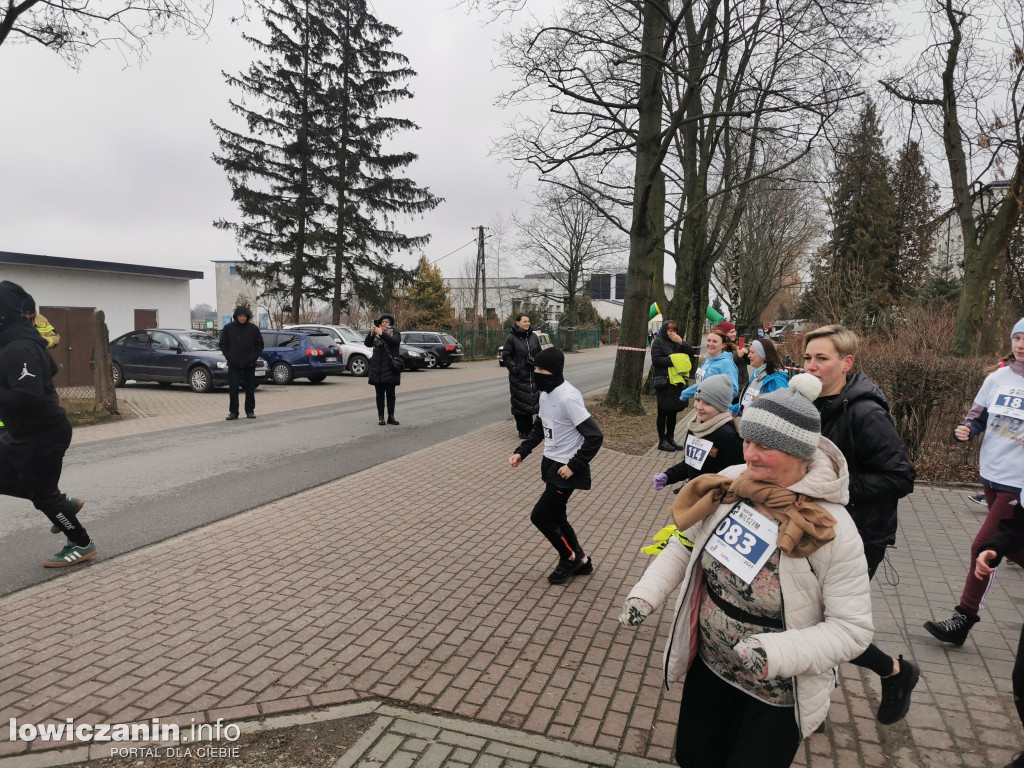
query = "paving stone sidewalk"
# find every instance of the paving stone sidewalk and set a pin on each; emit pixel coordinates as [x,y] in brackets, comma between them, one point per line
[422,582]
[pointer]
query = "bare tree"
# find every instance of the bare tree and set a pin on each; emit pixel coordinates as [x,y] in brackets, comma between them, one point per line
[71,28]
[779,224]
[568,238]
[690,96]
[965,85]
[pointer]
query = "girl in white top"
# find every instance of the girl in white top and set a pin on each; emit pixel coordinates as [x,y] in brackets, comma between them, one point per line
[998,411]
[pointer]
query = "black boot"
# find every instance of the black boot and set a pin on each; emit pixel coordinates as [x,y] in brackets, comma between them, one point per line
[665,445]
[954,629]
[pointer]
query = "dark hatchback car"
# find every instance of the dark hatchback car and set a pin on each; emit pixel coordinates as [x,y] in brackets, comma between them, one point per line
[169,356]
[439,349]
[292,354]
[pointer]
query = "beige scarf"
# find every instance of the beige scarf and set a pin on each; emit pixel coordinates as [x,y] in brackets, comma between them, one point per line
[803,525]
[701,428]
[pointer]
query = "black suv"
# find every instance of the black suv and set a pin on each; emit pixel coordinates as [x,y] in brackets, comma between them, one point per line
[439,349]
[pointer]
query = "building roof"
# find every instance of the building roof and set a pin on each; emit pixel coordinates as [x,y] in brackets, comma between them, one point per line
[55,262]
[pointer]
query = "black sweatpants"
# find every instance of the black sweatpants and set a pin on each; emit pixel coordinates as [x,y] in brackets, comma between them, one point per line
[550,517]
[30,469]
[243,376]
[385,393]
[874,658]
[524,422]
[720,726]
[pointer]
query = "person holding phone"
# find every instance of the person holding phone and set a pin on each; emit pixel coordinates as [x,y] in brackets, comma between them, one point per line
[383,374]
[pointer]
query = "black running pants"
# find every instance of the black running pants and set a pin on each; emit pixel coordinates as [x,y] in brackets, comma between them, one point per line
[30,469]
[549,515]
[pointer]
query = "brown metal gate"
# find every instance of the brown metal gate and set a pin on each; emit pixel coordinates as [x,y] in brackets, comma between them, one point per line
[74,324]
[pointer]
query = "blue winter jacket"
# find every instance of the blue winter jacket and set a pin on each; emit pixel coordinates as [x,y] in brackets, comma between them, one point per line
[769,383]
[712,366]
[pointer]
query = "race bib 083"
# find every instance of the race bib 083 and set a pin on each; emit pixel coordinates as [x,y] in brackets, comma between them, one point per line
[744,541]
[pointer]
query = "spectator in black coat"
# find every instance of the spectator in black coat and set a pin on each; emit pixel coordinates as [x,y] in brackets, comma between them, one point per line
[855,416]
[520,349]
[668,342]
[241,342]
[384,373]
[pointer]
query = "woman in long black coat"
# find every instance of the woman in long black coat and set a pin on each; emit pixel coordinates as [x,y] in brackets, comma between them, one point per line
[668,342]
[521,346]
[386,342]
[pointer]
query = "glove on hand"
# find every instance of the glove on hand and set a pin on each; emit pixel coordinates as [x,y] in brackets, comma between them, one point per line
[635,612]
[753,656]
[660,480]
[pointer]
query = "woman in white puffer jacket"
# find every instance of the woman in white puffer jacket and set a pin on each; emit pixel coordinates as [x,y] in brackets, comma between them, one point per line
[776,598]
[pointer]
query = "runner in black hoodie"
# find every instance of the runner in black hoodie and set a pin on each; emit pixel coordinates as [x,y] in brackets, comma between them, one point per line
[38,431]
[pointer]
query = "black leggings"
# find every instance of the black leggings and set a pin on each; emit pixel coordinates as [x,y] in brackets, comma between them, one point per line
[666,424]
[874,658]
[549,516]
[720,726]
[385,391]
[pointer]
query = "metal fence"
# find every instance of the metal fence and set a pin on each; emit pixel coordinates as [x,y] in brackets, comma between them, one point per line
[483,345]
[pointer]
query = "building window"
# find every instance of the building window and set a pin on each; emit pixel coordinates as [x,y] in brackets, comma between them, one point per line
[232,270]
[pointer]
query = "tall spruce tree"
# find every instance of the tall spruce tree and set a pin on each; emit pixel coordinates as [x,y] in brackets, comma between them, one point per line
[273,167]
[318,196]
[367,192]
[854,278]
[916,198]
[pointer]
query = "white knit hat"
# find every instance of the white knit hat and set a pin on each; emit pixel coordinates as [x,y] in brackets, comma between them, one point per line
[786,419]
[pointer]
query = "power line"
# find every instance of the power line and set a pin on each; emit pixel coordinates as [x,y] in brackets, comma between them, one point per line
[471,242]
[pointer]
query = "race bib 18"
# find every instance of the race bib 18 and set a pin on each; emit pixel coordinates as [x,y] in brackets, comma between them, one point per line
[1008,401]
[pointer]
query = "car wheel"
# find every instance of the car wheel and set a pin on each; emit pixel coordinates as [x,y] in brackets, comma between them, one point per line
[118,374]
[443,365]
[358,365]
[316,378]
[430,359]
[281,373]
[200,380]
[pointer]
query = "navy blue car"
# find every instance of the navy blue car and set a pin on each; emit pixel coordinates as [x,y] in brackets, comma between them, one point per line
[170,355]
[292,354]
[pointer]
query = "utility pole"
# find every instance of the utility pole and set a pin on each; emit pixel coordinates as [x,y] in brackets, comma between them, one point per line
[481,274]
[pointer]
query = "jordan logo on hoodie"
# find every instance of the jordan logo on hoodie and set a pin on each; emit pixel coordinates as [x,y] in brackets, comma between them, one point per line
[24,372]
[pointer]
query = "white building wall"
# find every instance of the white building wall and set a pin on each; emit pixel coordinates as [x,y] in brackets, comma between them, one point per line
[229,287]
[117,294]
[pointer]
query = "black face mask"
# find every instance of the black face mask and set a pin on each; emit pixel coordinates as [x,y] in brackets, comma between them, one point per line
[546,382]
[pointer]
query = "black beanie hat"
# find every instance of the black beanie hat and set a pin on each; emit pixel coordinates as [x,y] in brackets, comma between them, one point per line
[12,296]
[18,296]
[550,359]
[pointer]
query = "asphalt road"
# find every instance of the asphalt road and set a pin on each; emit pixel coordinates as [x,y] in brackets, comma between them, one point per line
[145,488]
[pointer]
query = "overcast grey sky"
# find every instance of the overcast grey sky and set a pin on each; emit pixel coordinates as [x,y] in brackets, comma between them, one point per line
[113,162]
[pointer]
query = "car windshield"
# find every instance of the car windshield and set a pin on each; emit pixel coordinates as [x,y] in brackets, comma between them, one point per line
[447,338]
[320,340]
[198,341]
[351,336]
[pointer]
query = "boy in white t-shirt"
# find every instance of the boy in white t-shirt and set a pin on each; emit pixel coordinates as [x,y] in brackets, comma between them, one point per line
[571,440]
